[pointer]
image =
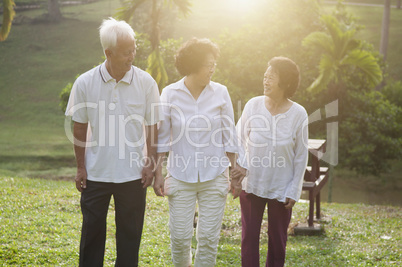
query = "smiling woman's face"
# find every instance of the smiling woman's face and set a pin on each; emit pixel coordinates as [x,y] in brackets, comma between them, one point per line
[271,82]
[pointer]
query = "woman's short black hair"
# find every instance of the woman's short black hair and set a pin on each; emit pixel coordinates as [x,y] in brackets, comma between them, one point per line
[288,72]
[192,54]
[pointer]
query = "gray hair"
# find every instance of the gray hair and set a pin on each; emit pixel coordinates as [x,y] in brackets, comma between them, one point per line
[111,30]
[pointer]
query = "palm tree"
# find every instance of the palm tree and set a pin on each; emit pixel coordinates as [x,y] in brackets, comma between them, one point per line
[8,16]
[155,61]
[340,52]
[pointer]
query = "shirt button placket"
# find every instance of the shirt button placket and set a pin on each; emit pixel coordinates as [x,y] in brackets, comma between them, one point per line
[114,94]
[197,136]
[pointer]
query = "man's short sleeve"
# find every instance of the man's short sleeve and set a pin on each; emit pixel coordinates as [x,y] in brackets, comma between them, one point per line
[77,104]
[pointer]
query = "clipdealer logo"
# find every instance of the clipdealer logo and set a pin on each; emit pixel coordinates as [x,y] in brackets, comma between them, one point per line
[114,125]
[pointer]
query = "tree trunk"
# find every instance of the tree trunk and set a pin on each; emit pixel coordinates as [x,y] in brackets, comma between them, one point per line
[385,28]
[54,10]
[398,4]
[155,29]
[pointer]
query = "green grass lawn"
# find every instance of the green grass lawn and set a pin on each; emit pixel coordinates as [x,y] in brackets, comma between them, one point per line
[40,224]
[37,61]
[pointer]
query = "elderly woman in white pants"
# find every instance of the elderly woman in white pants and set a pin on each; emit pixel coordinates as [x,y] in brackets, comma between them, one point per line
[198,133]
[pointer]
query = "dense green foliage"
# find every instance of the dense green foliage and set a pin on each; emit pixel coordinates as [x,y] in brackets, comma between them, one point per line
[340,53]
[40,223]
[371,132]
[393,92]
[349,70]
[276,30]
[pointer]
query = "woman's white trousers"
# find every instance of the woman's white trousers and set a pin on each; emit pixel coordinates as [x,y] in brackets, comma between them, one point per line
[211,199]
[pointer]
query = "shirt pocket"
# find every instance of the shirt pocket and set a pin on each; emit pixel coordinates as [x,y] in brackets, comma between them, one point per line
[134,111]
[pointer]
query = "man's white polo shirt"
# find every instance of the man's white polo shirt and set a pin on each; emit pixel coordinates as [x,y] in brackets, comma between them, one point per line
[116,114]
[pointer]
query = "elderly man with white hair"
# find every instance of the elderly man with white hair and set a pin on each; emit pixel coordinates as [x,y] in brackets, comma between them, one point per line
[114,107]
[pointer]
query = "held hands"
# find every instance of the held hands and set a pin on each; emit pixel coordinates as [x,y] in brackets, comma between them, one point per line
[238,172]
[81,179]
[159,184]
[147,176]
[235,187]
[237,175]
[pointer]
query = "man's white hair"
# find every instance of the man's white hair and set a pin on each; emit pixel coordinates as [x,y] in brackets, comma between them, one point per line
[111,30]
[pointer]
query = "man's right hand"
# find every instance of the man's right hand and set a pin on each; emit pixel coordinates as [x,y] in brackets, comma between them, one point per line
[81,179]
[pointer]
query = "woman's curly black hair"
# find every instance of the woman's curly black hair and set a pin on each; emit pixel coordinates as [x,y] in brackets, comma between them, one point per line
[191,55]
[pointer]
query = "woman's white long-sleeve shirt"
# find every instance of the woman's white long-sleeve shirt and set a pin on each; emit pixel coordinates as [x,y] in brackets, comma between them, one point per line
[197,133]
[275,148]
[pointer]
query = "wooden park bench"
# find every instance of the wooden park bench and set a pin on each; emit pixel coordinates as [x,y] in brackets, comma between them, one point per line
[315,178]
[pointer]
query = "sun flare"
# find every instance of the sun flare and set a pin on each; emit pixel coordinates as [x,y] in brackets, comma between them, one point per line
[241,6]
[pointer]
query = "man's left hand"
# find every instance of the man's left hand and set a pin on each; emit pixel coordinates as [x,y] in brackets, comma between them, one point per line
[289,203]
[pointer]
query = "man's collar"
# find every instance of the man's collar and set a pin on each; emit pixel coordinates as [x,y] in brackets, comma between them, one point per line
[106,77]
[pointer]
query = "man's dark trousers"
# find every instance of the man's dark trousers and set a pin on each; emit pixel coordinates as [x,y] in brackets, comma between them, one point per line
[129,199]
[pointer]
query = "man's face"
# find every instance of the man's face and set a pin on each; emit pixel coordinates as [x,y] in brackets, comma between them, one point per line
[122,55]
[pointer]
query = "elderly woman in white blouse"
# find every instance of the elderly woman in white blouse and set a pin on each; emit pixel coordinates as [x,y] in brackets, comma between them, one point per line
[199,134]
[273,131]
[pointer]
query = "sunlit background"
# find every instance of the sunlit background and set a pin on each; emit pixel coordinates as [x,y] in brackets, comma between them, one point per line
[39,218]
